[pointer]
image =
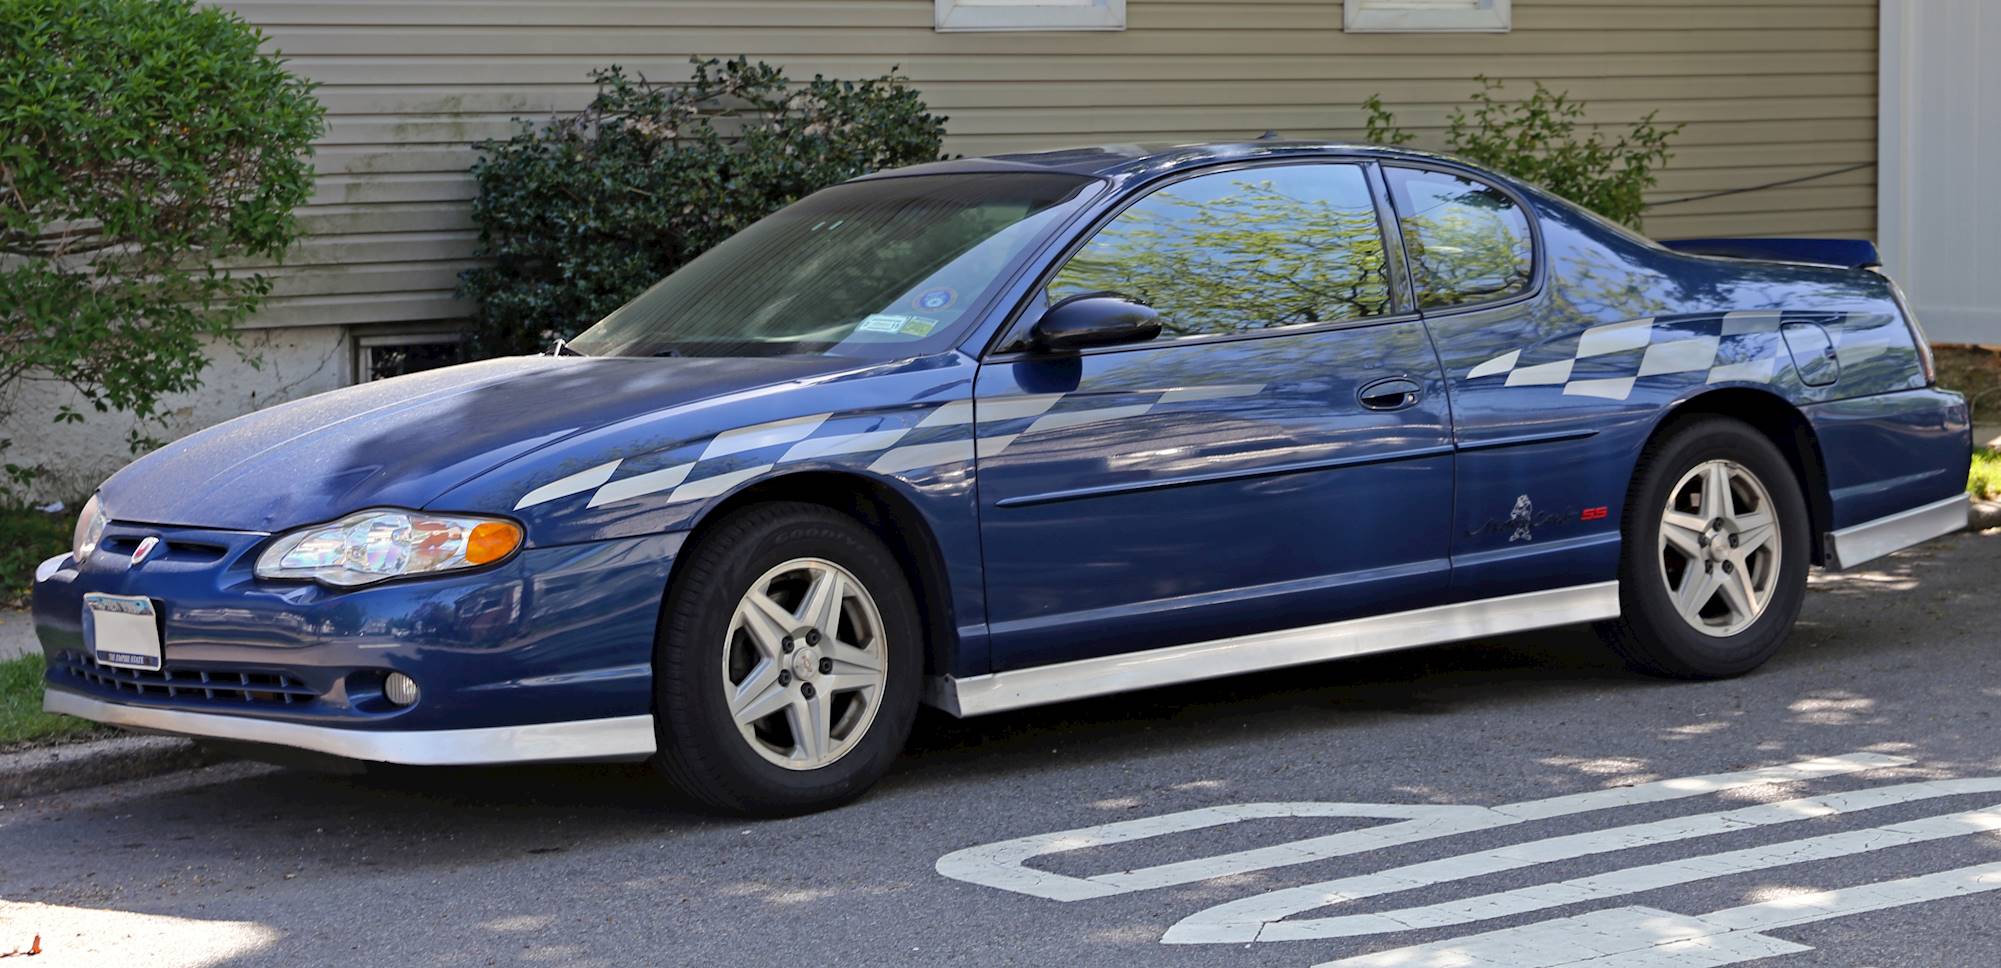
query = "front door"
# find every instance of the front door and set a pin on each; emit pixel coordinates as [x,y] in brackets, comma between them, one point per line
[1280,456]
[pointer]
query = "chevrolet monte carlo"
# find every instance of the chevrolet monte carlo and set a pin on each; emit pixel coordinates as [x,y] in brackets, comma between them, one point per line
[990,433]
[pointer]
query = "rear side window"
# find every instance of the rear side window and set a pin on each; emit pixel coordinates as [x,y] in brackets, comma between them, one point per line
[1468,242]
[1244,250]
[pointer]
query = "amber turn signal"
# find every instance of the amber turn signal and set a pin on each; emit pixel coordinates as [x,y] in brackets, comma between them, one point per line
[491,541]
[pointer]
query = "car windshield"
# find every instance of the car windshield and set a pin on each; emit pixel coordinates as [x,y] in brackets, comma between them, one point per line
[877,269]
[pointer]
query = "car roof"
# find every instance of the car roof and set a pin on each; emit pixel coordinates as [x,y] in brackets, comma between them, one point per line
[1119,161]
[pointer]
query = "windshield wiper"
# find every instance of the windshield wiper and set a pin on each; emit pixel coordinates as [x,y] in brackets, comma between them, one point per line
[563,346]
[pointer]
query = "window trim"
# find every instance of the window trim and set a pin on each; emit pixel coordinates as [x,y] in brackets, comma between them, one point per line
[394,337]
[950,16]
[1492,16]
[1008,344]
[1537,258]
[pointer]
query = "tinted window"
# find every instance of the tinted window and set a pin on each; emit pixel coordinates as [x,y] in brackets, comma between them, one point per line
[881,268]
[1468,242]
[1243,250]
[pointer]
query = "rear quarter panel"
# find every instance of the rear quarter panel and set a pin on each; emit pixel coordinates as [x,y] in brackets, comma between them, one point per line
[1554,397]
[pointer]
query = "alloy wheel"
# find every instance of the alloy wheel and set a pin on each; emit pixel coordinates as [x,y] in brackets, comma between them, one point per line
[804,663]
[1719,547]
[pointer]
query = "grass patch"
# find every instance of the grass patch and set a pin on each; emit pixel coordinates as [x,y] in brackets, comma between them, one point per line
[1984,482]
[28,538]
[22,722]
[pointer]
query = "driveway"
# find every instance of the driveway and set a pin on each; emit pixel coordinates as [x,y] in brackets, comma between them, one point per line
[1503,803]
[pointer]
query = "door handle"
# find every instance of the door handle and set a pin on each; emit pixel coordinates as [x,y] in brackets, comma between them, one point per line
[1395,393]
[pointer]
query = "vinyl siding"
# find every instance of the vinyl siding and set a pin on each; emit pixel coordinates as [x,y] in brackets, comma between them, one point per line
[1770,89]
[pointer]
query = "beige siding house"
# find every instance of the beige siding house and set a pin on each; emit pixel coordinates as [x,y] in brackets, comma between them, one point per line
[1770,90]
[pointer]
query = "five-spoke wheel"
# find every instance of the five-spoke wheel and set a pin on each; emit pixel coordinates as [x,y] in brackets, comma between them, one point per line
[1713,565]
[1719,547]
[803,663]
[787,667]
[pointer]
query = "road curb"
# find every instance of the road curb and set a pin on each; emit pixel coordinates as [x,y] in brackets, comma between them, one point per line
[55,769]
[1984,515]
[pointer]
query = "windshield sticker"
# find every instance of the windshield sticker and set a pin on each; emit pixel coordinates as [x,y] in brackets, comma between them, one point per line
[936,299]
[899,325]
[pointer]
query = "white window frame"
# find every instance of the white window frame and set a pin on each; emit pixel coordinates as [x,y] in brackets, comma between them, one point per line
[1491,16]
[958,15]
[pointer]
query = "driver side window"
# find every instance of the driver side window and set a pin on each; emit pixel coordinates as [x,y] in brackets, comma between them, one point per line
[1244,250]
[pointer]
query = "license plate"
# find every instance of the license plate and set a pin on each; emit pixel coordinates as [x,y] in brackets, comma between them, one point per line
[122,630]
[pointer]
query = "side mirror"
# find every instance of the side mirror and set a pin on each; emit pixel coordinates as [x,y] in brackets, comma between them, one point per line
[1094,319]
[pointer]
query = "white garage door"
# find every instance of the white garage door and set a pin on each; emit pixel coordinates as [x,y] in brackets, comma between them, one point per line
[1940,188]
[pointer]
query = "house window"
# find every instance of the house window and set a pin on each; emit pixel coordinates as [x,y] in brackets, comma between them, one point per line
[381,357]
[1030,14]
[1386,16]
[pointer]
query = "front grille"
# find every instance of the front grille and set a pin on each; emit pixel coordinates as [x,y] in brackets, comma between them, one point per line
[182,682]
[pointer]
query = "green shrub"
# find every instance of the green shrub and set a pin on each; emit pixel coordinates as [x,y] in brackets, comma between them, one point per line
[1538,140]
[580,215]
[143,145]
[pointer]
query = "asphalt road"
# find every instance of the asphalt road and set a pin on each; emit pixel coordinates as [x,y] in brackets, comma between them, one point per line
[1467,760]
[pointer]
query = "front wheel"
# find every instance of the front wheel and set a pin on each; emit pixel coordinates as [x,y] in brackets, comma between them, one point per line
[1713,569]
[787,667]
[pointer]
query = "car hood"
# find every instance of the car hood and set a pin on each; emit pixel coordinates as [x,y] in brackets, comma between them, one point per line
[405,441]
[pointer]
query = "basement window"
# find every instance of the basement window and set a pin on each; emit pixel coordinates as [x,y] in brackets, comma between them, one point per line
[1411,16]
[383,356]
[954,15]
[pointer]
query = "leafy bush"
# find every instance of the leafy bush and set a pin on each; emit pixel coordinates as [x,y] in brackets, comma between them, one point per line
[1538,140]
[579,216]
[143,144]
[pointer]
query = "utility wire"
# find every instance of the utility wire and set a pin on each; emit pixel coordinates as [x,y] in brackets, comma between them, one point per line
[1760,188]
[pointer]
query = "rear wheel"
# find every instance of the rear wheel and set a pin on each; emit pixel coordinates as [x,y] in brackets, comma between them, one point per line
[787,668]
[1713,570]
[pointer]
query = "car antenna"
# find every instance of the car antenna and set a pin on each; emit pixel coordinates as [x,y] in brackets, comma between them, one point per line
[1271,135]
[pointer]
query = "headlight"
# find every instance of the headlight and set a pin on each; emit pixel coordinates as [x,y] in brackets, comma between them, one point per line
[370,546]
[89,528]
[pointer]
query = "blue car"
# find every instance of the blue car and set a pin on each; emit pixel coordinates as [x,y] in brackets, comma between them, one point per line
[991,433]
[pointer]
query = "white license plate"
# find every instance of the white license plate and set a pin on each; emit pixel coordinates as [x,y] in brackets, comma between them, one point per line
[122,630]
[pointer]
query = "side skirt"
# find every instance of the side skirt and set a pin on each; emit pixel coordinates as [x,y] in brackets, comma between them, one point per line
[1870,540]
[618,738]
[1196,661]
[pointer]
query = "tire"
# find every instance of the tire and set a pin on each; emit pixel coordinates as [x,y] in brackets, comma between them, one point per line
[1670,624]
[715,662]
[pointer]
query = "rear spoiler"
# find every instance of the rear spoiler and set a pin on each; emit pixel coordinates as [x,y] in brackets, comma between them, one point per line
[1847,253]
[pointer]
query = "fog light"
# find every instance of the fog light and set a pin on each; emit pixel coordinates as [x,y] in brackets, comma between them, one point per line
[400,689]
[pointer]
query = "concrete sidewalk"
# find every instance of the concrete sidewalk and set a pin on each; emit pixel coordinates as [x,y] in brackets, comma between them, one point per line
[17,635]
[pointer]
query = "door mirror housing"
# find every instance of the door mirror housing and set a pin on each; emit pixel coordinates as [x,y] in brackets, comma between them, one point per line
[1094,319]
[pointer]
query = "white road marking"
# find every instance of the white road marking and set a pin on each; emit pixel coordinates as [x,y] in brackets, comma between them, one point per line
[1639,937]
[1260,918]
[1003,864]
[1634,880]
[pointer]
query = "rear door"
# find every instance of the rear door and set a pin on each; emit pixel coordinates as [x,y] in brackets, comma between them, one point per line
[1279,457]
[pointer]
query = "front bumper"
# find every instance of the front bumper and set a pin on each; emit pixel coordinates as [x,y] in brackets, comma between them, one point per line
[545,657]
[622,737]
